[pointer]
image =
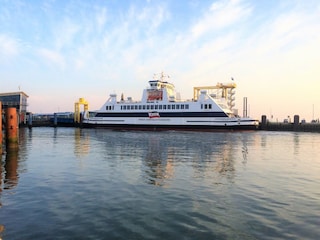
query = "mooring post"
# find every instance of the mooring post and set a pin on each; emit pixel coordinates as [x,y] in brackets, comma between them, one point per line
[263,122]
[296,120]
[30,120]
[11,128]
[55,119]
[1,150]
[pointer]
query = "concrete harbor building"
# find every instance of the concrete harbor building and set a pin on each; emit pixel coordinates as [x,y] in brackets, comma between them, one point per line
[17,100]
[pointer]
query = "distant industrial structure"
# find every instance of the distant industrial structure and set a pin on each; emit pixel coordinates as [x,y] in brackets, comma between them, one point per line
[17,100]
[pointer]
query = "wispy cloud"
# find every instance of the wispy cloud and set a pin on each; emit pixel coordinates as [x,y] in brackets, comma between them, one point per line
[101,18]
[52,57]
[286,31]
[221,14]
[9,46]
[65,33]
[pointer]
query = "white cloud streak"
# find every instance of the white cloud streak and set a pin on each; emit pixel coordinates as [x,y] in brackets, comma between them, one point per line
[222,14]
[52,57]
[9,46]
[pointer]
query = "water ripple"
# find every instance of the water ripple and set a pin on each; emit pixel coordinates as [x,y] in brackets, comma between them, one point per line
[96,184]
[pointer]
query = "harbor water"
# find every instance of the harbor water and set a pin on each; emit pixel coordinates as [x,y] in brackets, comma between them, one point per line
[71,183]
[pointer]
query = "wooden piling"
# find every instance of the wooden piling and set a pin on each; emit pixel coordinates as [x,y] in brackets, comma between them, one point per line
[11,128]
[30,120]
[1,150]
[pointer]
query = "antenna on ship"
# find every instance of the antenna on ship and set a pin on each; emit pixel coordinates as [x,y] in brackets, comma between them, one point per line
[162,76]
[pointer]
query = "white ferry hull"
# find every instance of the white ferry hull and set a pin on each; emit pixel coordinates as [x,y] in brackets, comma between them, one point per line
[172,123]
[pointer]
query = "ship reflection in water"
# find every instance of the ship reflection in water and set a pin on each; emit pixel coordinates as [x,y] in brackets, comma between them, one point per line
[161,152]
[100,184]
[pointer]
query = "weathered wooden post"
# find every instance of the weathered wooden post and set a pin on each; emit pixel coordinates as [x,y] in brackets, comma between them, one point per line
[1,150]
[11,128]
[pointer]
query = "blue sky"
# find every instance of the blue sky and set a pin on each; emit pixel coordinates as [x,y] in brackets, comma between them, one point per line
[59,51]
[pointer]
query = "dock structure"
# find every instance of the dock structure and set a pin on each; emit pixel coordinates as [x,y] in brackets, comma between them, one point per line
[58,119]
[67,120]
[295,126]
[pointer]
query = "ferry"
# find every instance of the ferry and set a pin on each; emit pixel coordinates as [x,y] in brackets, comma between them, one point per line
[162,109]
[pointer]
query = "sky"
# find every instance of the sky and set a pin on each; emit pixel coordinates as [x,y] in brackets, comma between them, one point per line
[59,51]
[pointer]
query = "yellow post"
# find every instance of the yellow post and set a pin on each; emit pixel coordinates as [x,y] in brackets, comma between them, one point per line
[85,104]
[76,113]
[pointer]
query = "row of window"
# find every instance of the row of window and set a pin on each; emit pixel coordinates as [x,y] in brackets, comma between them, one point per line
[151,107]
[157,107]
[206,106]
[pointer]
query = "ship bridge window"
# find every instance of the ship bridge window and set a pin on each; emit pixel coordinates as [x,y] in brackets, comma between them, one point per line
[207,106]
[173,106]
[182,106]
[201,106]
[160,106]
[156,107]
[169,106]
[164,106]
[178,106]
[136,107]
[144,107]
[187,106]
[152,107]
[140,106]
[148,106]
[124,107]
